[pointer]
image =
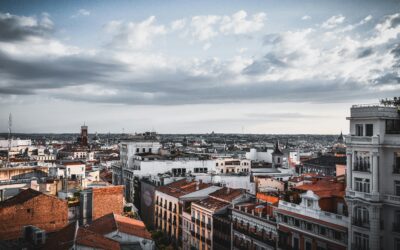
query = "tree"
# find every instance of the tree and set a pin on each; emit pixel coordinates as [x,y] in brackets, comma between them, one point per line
[391,102]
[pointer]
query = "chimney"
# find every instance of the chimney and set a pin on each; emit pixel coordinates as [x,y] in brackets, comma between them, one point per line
[228,190]
[197,185]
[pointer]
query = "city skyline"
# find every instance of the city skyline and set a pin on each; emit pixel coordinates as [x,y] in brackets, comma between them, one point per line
[195,67]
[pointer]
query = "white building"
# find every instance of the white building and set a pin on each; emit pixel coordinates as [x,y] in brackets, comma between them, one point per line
[373,177]
[230,165]
[73,170]
[256,155]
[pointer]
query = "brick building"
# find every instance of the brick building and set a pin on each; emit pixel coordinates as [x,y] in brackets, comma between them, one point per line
[96,202]
[31,207]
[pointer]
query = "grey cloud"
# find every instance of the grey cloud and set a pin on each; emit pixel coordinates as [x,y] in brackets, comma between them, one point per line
[267,62]
[395,21]
[14,28]
[364,52]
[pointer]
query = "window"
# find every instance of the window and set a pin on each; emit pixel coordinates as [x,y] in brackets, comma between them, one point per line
[361,241]
[392,126]
[143,150]
[397,188]
[369,129]
[359,130]
[361,216]
[150,150]
[362,185]
[137,150]
[396,163]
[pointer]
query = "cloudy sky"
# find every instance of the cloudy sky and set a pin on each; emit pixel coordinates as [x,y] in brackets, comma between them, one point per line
[195,66]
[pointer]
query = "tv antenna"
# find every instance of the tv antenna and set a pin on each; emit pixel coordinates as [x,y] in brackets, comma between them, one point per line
[9,139]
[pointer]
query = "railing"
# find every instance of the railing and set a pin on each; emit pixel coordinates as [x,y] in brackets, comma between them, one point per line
[396,169]
[193,219]
[197,221]
[209,226]
[362,139]
[321,215]
[359,247]
[254,235]
[361,167]
[203,224]
[394,199]
[361,222]
[396,227]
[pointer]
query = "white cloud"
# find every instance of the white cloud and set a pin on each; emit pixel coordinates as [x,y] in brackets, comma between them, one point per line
[203,27]
[134,35]
[206,46]
[81,12]
[238,23]
[333,21]
[178,24]
[306,17]
[387,30]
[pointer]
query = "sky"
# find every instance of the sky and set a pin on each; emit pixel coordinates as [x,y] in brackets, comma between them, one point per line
[265,67]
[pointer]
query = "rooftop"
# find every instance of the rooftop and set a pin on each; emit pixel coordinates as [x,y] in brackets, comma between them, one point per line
[113,222]
[327,161]
[182,187]
[227,194]
[325,188]
[212,204]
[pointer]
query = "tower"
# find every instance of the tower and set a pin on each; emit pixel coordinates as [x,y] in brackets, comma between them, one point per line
[373,177]
[84,135]
[9,139]
[277,156]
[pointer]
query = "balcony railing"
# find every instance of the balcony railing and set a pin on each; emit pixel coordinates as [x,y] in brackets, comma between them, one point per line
[255,235]
[209,226]
[193,219]
[394,199]
[396,169]
[359,247]
[203,224]
[362,167]
[396,227]
[361,222]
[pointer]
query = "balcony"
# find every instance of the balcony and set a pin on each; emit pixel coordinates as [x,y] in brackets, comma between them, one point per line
[209,226]
[359,222]
[192,233]
[396,169]
[208,241]
[203,239]
[193,219]
[251,233]
[362,140]
[363,195]
[359,247]
[197,221]
[396,227]
[203,224]
[393,199]
[316,214]
[362,167]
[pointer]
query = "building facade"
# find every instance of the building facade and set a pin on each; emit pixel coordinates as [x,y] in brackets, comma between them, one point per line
[373,177]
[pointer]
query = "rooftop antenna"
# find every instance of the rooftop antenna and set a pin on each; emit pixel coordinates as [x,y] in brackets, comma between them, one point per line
[9,139]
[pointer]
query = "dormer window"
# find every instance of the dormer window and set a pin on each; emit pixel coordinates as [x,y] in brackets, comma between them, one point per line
[309,203]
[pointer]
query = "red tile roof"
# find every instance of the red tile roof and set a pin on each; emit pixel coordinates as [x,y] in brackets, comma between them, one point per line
[112,222]
[324,188]
[212,204]
[72,234]
[227,194]
[182,187]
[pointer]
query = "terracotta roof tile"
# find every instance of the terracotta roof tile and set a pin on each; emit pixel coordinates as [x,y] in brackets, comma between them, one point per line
[227,194]
[112,222]
[182,187]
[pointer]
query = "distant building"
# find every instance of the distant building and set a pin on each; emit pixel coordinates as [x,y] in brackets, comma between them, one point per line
[31,207]
[326,165]
[84,135]
[232,166]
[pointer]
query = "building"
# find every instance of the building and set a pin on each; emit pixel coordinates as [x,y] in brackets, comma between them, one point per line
[260,155]
[186,203]
[31,207]
[130,233]
[373,177]
[79,238]
[254,226]
[268,184]
[98,201]
[168,209]
[318,222]
[74,170]
[84,136]
[232,166]
[277,157]
[204,211]
[326,165]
